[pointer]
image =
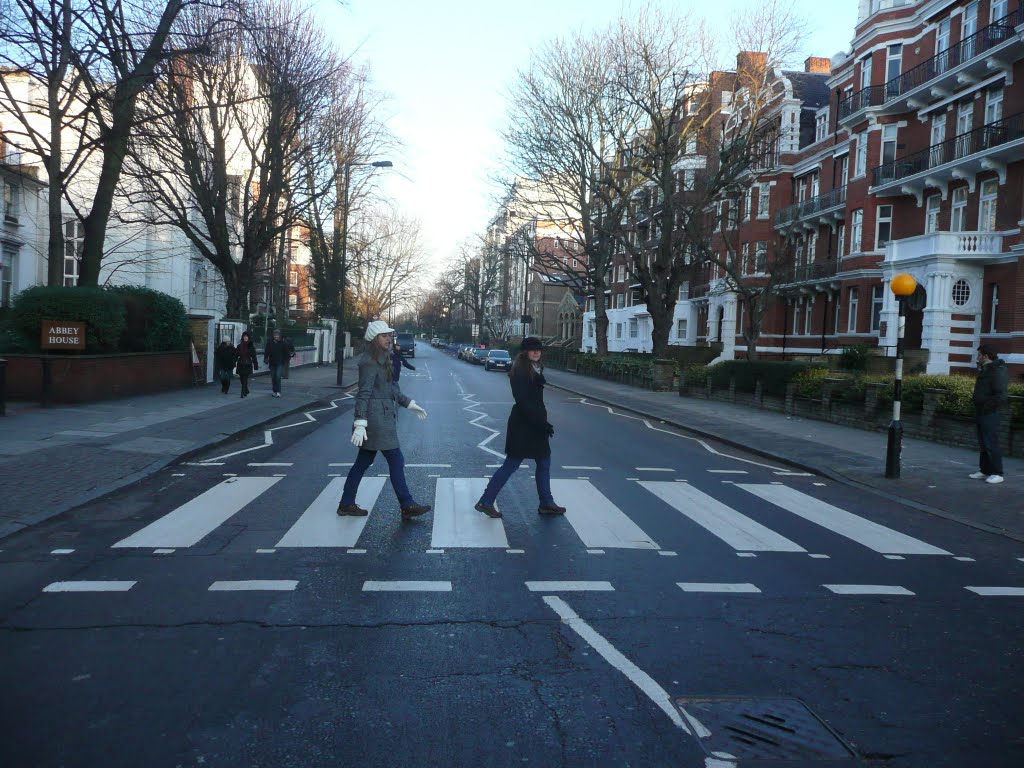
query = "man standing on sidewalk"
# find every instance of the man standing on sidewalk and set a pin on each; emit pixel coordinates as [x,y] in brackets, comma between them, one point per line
[276,356]
[990,393]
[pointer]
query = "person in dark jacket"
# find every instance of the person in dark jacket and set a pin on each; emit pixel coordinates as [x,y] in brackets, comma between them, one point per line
[276,354]
[246,361]
[398,362]
[224,359]
[375,427]
[528,432]
[991,391]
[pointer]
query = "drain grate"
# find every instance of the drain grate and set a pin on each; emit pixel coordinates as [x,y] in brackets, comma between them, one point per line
[754,728]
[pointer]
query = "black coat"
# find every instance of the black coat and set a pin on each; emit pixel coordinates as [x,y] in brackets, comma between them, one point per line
[247,360]
[991,388]
[527,434]
[278,352]
[225,358]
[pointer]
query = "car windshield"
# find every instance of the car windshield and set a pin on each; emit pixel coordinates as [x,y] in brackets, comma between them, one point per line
[499,353]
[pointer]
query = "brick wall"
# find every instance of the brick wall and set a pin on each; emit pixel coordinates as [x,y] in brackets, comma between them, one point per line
[87,378]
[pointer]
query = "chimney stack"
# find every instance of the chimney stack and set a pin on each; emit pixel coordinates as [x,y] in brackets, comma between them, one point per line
[754,61]
[818,65]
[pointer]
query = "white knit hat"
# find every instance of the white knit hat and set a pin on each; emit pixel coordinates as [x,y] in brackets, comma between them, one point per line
[377,327]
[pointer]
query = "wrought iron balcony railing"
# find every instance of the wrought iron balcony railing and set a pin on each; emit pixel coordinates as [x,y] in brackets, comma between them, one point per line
[794,213]
[966,144]
[802,273]
[872,96]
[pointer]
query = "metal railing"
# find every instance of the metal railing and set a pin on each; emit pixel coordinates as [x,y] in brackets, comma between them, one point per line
[802,273]
[982,40]
[966,144]
[872,96]
[810,207]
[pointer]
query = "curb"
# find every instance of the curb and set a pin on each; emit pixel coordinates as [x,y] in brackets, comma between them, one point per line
[802,465]
[8,529]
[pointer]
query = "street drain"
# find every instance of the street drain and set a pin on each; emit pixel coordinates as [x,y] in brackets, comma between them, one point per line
[754,728]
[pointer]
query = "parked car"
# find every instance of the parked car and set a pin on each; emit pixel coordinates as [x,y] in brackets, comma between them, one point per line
[435,342]
[498,359]
[477,355]
[406,344]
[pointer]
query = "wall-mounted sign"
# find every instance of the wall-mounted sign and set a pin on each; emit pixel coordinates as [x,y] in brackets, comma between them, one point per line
[61,334]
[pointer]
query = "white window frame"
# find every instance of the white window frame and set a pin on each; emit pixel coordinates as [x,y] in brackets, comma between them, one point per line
[840,241]
[893,56]
[634,327]
[932,209]
[861,159]
[760,257]
[808,315]
[852,308]
[890,136]
[998,10]
[618,330]
[877,301]
[8,265]
[620,301]
[881,217]
[993,106]
[797,308]
[958,215]
[856,230]
[74,239]
[12,201]
[866,67]
[681,328]
[993,308]
[988,200]
[942,35]
[969,20]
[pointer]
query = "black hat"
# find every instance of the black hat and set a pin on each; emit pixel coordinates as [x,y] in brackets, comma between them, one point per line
[531,343]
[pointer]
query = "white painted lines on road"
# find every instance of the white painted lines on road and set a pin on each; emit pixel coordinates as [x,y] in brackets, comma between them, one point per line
[735,529]
[595,551]
[570,586]
[597,521]
[321,525]
[689,586]
[997,591]
[341,464]
[271,464]
[668,553]
[61,551]
[265,551]
[654,469]
[609,653]
[729,472]
[407,586]
[793,474]
[89,586]
[457,523]
[963,559]
[871,535]
[254,585]
[866,589]
[430,466]
[163,551]
[515,551]
[572,466]
[195,519]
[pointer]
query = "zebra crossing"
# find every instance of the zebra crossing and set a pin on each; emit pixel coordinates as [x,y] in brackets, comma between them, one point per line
[597,522]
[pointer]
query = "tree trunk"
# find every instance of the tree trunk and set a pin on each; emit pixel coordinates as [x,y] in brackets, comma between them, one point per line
[600,320]
[661,320]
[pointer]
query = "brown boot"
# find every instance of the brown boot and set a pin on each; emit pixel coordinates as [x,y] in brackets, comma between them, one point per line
[487,509]
[414,510]
[352,510]
[550,509]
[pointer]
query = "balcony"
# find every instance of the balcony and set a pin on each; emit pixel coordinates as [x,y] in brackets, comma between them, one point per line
[823,209]
[977,247]
[940,75]
[990,147]
[806,273]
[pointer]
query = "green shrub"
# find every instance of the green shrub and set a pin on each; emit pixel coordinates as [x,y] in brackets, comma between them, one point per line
[809,382]
[154,321]
[696,375]
[774,374]
[855,358]
[101,310]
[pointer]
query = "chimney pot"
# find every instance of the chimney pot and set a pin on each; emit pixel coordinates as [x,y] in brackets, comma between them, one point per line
[818,65]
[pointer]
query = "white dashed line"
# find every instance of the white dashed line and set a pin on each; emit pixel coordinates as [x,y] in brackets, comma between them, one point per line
[254,585]
[270,464]
[997,591]
[711,587]
[89,586]
[569,586]
[61,551]
[654,469]
[572,466]
[407,586]
[866,589]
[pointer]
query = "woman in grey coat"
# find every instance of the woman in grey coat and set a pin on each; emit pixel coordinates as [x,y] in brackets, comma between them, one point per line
[376,424]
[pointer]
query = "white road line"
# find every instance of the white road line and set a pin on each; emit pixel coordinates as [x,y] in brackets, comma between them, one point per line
[457,523]
[270,464]
[668,553]
[340,464]
[871,535]
[609,653]
[195,519]
[963,559]
[729,472]
[254,585]
[407,586]
[321,525]
[515,551]
[866,589]
[61,551]
[654,469]
[735,529]
[997,591]
[89,586]
[690,586]
[793,474]
[570,586]
[597,521]
[163,551]
[571,466]
[431,466]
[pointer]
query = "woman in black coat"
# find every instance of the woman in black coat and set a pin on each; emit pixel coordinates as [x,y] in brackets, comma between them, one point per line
[527,434]
[246,361]
[225,358]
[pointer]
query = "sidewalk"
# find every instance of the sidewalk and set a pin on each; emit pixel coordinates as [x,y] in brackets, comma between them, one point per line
[55,459]
[933,477]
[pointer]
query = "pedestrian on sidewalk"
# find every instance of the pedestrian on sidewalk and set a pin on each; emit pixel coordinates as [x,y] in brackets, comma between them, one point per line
[246,361]
[528,432]
[225,358]
[991,392]
[398,361]
[376,424]
[276,355]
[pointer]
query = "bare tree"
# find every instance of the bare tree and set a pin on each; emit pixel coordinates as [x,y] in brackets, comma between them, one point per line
[481,278]
[387,262]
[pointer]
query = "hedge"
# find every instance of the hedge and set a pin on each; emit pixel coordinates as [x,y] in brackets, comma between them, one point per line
[774,374]
[102,311]
[154,321]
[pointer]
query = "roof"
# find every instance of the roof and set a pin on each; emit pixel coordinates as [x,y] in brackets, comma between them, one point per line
[810,88]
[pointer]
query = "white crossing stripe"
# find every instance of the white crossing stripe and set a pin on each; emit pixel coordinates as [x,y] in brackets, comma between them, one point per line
[866,589]
[195,519]
[89,586]
[997,591]
[735,529]
[570,586]
[457,523]
[321,525]
[254,585]
[597,521]
[407,586]
[689,586]
[871,535]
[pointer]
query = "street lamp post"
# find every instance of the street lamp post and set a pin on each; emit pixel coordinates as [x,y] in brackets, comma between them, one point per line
[902,285]
[342,221]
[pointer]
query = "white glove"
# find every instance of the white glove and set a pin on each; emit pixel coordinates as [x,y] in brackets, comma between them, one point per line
[416,409]
[358,432]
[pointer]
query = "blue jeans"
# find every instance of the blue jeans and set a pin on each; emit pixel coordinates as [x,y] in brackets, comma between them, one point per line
[396,467]
[991,460]
[275,377]
[506,470]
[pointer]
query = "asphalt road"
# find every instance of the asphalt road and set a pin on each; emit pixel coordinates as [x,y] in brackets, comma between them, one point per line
[696,607]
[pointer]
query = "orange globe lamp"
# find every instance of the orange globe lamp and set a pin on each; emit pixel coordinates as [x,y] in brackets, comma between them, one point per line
[903,285]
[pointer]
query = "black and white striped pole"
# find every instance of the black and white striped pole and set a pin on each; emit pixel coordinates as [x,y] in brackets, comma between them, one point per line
[902,285]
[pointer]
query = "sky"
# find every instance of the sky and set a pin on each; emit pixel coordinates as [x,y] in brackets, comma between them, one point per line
[446,65]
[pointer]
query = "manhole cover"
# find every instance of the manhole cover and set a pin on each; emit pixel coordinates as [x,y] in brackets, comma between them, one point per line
[754,728]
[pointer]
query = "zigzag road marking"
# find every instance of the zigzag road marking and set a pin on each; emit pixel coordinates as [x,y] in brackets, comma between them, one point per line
[482,445]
